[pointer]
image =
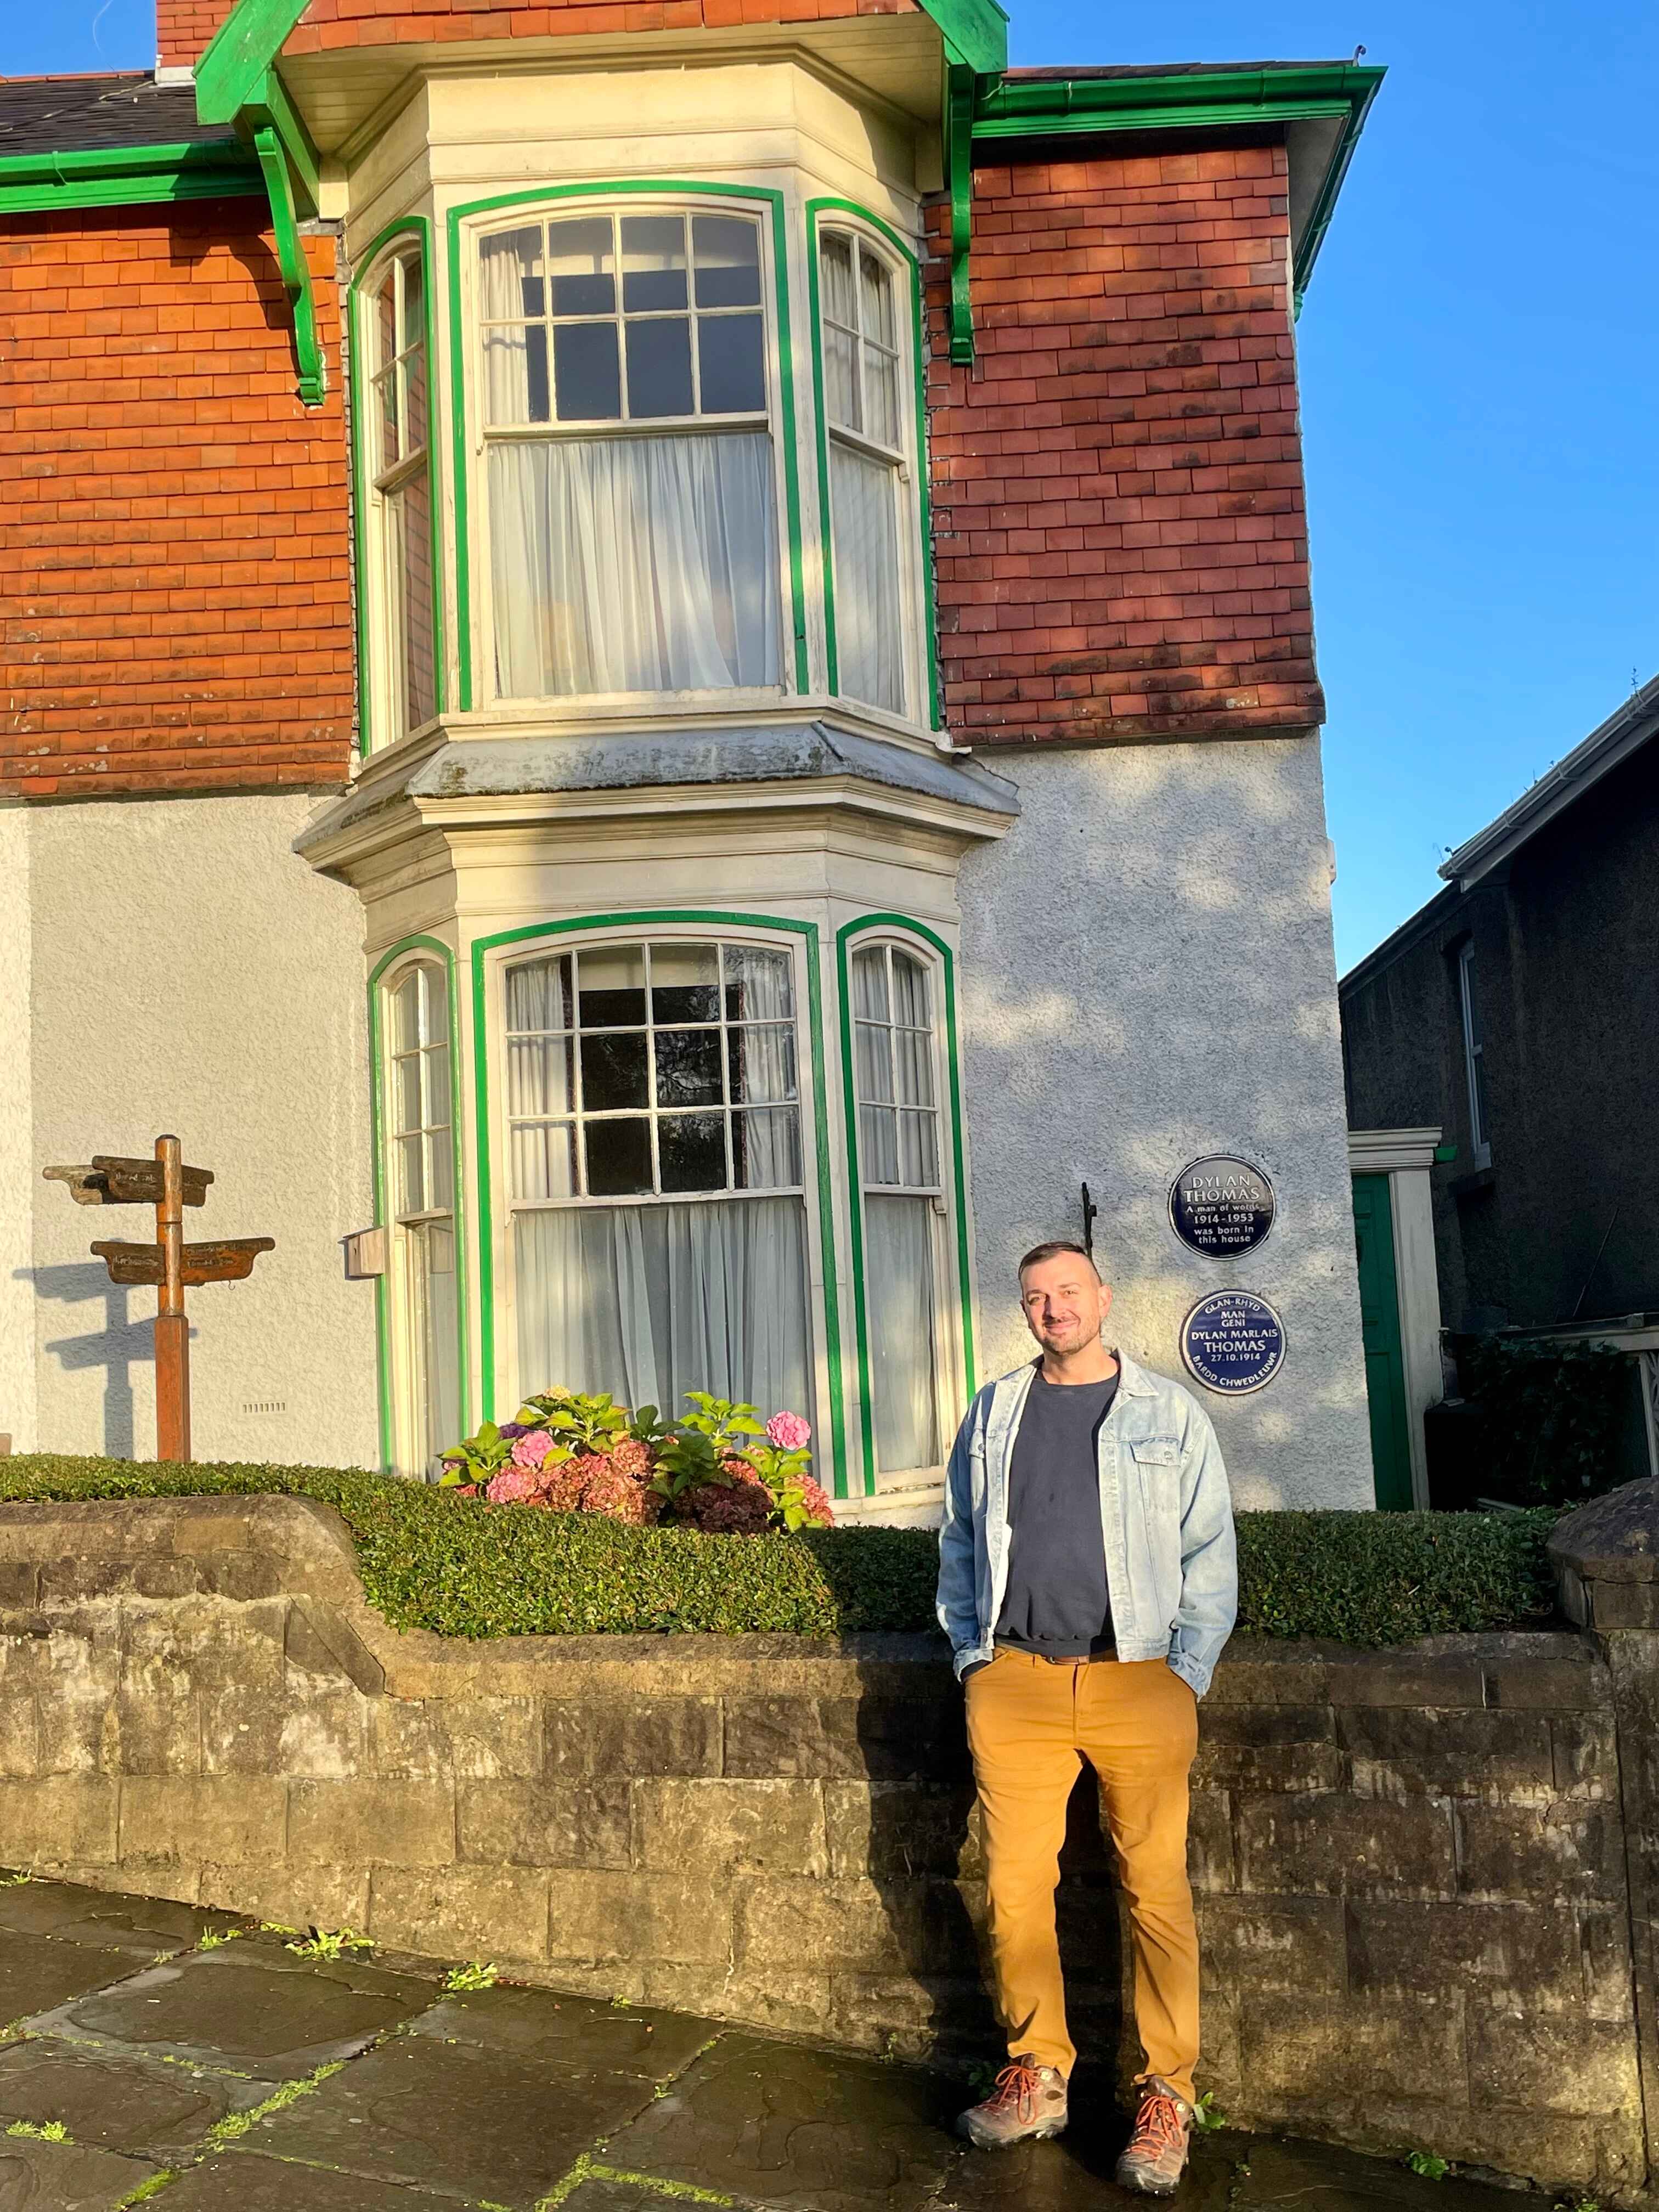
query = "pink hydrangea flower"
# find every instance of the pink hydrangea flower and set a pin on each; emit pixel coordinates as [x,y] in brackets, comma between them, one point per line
[530,1450]
[815,1499]
[514,1486]
[789,1433]
[624,1499]
[631,1456]
[561,1488]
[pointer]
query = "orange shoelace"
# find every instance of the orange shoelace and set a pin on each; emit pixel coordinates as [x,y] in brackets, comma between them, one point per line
[1018,2086]
[1159,2125]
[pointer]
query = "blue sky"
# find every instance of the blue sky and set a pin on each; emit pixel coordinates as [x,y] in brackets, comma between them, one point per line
[1476,357]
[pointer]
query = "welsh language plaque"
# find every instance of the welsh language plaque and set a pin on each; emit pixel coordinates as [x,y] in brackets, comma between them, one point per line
[1232,1341]
[1222,1208]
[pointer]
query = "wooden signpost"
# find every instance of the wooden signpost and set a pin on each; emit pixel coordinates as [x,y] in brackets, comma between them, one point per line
[169,1263]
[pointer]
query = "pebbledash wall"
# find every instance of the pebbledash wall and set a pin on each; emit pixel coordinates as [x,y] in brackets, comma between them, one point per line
[1411,1865]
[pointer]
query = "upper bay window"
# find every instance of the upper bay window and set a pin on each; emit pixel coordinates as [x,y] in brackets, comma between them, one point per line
[630,454]
[400,581]
[865,390]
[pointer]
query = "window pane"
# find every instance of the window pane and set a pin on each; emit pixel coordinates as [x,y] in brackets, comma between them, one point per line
[763,1063]
[864,520]
[539,1076]
[586,377]
[870,985]
[684,983]
[878,1144]
[538,995]
[688,1070]
[835,266]
[411,1187]
[875,299]
[759,984]
[611,982]
[898,1241]
[436,1058]
[654,262]
[406,1012]
[692,1149]
[732,364]
[766,1149]
[658,367]
[580,262]
[441,1171]
[913,1055]
[841,379]
[910,1002]
[385,322]
[389,445]
[918,1150]
[613,1072]
[414,329]
[881,397]
[618,1157]
[543,1160]
[728,250]
[409,527]
[515,374]
[406,1094]
[510,288]
[872,1064]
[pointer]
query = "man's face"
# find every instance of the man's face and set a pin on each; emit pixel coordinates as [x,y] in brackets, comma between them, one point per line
[1065,1302]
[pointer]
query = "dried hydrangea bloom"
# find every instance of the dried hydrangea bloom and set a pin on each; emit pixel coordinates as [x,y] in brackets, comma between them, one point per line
[561,1487]
[621,1497]
[744,1510]
[815,1499]
[631,1457]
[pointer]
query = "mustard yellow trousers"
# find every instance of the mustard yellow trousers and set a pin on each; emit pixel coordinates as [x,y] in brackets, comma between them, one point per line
[1031,1724]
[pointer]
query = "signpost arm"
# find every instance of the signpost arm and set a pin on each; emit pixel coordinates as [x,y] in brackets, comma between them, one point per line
[172,1329]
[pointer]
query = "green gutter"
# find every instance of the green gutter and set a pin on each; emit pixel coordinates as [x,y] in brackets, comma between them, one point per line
[125,176]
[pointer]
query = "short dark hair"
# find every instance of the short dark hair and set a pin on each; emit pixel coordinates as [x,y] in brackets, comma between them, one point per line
[1052,1250]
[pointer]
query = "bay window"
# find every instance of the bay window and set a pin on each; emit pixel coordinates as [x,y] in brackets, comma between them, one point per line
[901,1196]
[421,1161]
[403,655]
[629,454]
[864,384]
[658,1232]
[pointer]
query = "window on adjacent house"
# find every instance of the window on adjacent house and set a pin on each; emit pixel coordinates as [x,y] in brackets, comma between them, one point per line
[402,479]
[1474,1059]
[659,1233]
[629,455]
[902,1195]
[422,1261]
[868,466]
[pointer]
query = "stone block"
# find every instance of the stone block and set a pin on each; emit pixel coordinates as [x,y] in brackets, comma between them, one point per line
[864,1927]
[157,1724]
[632,1735]
[546,1823]
[78,1673]
[465,1913]
[323,1735]
[241,1576]
[56,1818]
[295,1896]
[1398,1753]
[1566,1853]
[19,1584]
[205,1643]
[1378,2047]
[733,1827]
[910,2014]
[1585,1756]
[1288,1943]
[319,1643]
[1337,1845]
[473,1739]
[1268,1748]
[1553,2062]
[1428,1680]
[1605,1954]
[1622,1605]
[788,2004]
[1565,1677]
[19,1748]
[847,1739]
[374,1823]
[1262,1671]
[192,1820]
[901,1828]
[643,1918]
[241,1732]
[1510,1954]
[1212,1858]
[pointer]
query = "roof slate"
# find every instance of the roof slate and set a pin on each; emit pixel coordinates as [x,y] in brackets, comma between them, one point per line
[86,114]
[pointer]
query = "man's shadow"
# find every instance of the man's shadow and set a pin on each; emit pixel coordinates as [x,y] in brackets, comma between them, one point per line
[119,1345]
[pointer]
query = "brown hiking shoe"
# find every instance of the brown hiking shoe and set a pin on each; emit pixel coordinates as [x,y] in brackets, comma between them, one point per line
[1028,2102]
[1156,2156]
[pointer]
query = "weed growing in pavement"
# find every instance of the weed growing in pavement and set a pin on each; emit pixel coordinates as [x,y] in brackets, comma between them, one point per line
[476,1975]
[152,2186]
[1425,2162]
[235,2125]
[1579,2204]
[588,2168]
[1240,2175]
[49,2131]
[215,1939]
[326,1943]
[1207,2114]
[15,1881]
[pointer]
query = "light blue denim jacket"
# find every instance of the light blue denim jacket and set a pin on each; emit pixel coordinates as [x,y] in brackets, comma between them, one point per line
[1166,1518]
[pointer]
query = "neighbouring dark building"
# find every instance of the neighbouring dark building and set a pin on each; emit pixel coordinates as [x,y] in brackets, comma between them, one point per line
[1519,1011]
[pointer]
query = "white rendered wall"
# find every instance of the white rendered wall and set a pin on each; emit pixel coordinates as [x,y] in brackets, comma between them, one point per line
[1147,976]
[191,973]
[17,1389]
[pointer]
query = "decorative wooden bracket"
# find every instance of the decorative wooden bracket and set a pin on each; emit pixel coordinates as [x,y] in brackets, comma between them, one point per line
[961,85]
[291,259]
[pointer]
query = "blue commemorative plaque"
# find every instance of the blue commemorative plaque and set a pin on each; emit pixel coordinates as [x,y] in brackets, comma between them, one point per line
[1233,1342]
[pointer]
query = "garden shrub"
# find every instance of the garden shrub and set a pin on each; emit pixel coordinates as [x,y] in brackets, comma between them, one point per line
[429,1559]
[1550,1420]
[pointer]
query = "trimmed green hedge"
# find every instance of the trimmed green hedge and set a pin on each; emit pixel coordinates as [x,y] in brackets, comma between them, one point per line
[429,1559]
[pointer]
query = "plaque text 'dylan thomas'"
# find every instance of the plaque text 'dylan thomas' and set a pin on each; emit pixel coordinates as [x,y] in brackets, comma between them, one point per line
[1221,1207]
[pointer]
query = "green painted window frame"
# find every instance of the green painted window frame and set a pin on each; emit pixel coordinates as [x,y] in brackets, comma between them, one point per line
[927,631]
[687,189]
[374,258]
[640,922]
[897,926]
[409,949]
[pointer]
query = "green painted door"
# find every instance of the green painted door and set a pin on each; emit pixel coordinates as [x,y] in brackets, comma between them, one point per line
[1385,1365]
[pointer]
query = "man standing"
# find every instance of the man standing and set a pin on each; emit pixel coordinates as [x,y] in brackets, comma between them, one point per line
[1088,1580]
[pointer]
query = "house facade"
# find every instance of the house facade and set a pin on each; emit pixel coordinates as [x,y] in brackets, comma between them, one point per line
[661,688]
[1517,1013]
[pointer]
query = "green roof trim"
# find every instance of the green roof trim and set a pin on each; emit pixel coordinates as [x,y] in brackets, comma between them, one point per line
[125,176]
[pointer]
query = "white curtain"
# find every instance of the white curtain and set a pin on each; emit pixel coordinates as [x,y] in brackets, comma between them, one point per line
[649,1302]
[864,523]
[898,1288]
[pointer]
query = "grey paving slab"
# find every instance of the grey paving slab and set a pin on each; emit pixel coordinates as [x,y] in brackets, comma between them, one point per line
[252,2184]
[51,2177]
[1318,2178]
[1073,2173]
[453,2117]
[39,1972]
[120,2101]
[142,1924]
[795,2128]
[536,2028]
[233,2008]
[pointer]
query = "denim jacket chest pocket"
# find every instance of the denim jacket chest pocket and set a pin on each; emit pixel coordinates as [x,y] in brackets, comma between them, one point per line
[1158,1495]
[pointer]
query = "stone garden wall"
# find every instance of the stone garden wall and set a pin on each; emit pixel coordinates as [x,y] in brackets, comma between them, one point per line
[1411,1865]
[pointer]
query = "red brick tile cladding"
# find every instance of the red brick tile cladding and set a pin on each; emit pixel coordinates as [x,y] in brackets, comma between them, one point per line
[1120,536]
[328,25]
[176,592]
[183,28]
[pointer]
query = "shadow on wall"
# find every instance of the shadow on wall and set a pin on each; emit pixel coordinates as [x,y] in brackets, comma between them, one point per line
[121,1343]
